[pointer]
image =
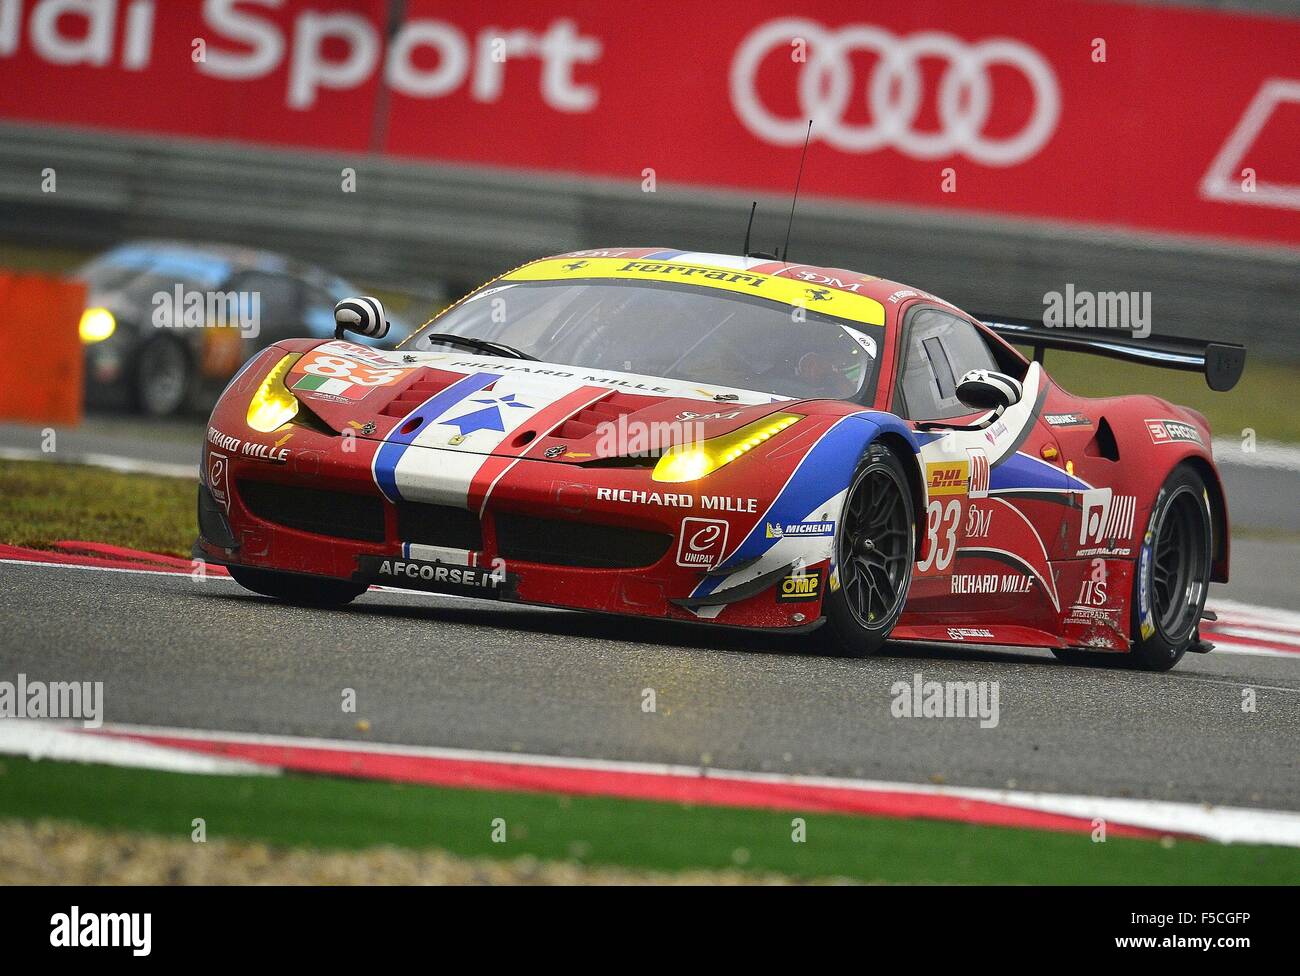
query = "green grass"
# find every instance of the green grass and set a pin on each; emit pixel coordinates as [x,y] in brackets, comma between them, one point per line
[42,503]
[52,260]
[325,812]
[1259,401]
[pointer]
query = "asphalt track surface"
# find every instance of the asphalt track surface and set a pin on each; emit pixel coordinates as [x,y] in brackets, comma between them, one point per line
[441,671]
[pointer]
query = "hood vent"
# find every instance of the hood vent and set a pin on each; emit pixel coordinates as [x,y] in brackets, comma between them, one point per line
[427,385]
[608,409]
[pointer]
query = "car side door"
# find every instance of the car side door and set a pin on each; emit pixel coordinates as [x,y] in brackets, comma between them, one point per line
[995,501]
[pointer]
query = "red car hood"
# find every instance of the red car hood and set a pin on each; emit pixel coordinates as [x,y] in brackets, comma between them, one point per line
[489,405]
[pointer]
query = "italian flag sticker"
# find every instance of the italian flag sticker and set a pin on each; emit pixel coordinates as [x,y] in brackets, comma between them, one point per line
[331,386]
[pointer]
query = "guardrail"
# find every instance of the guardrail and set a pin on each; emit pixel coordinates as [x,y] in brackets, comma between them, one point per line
[408,225]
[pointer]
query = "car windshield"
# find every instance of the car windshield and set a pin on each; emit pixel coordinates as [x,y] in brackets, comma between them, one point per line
[682,332]
[146,269]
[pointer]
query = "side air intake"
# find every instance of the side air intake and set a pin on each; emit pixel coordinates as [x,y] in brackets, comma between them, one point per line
[1103,444]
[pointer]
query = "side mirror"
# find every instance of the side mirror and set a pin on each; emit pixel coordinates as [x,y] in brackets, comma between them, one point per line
[982,389]
[363,315]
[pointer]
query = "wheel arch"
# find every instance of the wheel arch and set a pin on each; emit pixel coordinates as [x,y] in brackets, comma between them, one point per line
[881,427]
[906,451]
[1145,479]
[1219,545]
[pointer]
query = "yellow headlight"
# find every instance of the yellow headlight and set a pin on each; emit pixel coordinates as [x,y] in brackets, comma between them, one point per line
[273,405]
[96,325]
[691,463]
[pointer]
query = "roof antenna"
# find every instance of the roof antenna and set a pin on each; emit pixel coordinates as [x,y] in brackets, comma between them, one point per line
[785,252]
[748,228]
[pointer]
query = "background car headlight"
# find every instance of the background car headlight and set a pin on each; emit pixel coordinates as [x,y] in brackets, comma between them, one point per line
[96,325]
[273,405]
[694,461]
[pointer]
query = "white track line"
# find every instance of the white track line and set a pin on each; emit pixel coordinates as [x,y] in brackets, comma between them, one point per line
[1267,454]
[1258,633]
[1238,684]
[1247,650]
[44,740]
[113,462]
[1228,825]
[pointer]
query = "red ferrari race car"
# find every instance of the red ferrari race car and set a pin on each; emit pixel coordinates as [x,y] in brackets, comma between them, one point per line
[731,440]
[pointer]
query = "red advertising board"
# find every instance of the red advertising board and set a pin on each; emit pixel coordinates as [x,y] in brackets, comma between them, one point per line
[1146,117]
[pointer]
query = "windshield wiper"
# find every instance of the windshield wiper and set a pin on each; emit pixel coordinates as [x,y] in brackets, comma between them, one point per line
[479,345]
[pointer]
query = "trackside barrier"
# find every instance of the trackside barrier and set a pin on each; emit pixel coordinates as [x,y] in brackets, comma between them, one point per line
[40,349]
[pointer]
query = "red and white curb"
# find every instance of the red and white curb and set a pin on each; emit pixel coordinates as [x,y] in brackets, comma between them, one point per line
[186,750]
[68,554]
[1243,628]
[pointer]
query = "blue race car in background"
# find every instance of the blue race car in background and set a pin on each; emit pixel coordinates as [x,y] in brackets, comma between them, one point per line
[167,323]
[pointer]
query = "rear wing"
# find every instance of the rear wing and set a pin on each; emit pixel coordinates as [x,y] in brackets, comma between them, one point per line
[1220,362]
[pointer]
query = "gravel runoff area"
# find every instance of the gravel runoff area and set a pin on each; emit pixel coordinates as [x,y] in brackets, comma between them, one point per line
[52,852]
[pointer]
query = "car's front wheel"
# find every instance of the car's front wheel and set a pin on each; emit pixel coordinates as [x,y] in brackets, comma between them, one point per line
[306,591]
[162,378]
[875,546]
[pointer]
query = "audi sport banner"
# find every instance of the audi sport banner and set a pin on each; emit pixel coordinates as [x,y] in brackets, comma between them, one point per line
[1147,117]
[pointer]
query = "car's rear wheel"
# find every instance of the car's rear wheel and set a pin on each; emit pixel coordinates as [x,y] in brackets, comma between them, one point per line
[1173,573]
[161,380]
[306,591]
[875,546]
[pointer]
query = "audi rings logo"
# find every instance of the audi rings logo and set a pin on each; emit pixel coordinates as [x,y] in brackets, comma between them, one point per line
[894,92]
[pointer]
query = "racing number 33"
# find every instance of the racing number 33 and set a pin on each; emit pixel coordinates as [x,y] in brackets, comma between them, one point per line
[941,521]
[336,367]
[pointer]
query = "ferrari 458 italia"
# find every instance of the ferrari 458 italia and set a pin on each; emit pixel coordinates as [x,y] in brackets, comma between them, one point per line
[731,440]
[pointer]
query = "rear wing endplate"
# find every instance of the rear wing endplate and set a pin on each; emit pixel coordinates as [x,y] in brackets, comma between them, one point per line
[1220,362]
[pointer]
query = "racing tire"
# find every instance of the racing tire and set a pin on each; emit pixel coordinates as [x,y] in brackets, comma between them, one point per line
[161,378]
[303,591]
[1172,578]
[875,547]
